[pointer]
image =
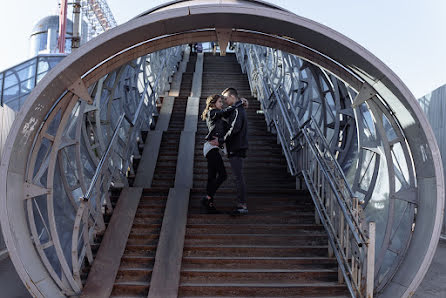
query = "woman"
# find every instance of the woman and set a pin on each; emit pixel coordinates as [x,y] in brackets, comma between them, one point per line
[214,115]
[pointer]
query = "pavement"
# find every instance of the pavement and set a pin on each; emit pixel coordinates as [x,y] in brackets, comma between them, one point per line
[434,283]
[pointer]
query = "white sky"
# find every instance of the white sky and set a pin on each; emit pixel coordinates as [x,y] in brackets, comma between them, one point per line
[408,35]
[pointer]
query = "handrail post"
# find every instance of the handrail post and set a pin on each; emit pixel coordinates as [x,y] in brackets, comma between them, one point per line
[371,260]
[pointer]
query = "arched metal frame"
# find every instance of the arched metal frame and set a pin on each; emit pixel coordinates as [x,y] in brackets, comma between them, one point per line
[68,150]
[174,25]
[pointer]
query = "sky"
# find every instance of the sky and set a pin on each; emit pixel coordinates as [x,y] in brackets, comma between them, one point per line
[408,35]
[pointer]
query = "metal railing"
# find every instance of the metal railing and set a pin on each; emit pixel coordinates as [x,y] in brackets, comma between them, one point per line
[98,144]
[17,82]
[89,218]
[308,154]
[89,214]
[339,211]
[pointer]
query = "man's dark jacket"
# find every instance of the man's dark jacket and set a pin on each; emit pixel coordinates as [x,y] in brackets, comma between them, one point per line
[236,137]
[217,127]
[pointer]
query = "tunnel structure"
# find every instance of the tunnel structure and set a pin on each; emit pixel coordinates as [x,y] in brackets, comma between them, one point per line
[77,134]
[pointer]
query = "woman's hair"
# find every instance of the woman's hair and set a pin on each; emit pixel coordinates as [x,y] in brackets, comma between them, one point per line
[210,103]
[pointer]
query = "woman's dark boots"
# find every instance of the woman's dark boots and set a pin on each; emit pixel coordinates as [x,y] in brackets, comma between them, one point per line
[207,206]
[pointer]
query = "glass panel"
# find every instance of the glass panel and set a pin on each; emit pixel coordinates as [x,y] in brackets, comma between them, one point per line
[87,162]
[77,194]
[70,129]
[11,93]
[42,38]
[68,159]
[377,209]
[367,169]
[20,73]
[400,166]
[50,253]
[54,125]
[64,214]
[390,133]
[386,265]
[402,225]
[367,119]
[40,211]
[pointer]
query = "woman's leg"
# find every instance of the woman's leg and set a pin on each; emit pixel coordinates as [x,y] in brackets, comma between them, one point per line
[220,168]
[216,171]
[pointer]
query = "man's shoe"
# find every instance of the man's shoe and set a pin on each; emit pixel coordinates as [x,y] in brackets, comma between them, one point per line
[239,211]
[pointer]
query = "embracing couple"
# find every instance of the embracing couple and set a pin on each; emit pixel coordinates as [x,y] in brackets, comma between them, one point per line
[228,133]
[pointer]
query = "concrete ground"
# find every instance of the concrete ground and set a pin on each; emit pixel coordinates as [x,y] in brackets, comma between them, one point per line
[10,284]
[434,283]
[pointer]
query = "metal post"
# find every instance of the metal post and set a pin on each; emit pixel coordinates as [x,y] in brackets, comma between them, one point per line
[75,40]
[371,260]
[2,87]
[62,26]
[342,239]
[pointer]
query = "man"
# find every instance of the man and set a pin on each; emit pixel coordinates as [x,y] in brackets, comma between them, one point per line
[236,140]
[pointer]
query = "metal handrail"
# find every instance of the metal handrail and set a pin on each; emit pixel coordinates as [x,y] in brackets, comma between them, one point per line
[359,237]
[104,158]
[338,166]
[326,168]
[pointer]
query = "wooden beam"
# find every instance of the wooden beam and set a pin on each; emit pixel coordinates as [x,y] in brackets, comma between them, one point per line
[105,267]
[169,253]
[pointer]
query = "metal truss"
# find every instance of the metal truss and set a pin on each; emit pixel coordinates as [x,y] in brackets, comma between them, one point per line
[99,17]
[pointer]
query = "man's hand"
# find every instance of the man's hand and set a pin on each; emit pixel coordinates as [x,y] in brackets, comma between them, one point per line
[214,142]
[244,102]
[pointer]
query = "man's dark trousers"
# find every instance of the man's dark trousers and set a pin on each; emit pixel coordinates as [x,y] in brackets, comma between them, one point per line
[237,172]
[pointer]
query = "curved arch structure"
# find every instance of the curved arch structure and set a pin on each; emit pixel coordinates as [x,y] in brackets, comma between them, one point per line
[64,95]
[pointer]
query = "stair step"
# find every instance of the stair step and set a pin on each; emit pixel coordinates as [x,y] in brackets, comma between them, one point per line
[214,228]
[137,262]
[134,274]
[254,250]
[130,289]
[143,239]
[283,276]
[194,218]
[263,289]
[259,263]
[255,239]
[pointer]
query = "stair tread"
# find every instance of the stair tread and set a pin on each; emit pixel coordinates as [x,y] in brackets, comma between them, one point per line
[265,285]
[131,282]
[136,269]
[274,270]
[258,258]
[254,246]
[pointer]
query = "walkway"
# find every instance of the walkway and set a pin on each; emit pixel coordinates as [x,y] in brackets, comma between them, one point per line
[434,283]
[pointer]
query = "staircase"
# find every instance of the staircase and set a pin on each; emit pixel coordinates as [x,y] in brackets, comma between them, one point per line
[133,278]
[276,250]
